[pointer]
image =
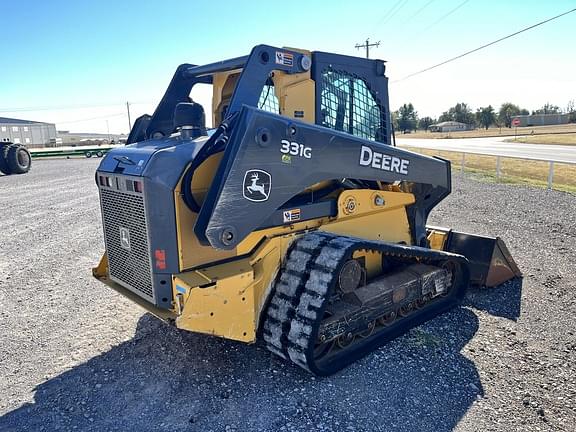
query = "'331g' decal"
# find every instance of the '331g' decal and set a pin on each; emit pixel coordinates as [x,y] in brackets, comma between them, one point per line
[295,149]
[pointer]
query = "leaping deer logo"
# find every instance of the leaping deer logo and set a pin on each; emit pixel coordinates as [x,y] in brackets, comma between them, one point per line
[125,238]
[257,184]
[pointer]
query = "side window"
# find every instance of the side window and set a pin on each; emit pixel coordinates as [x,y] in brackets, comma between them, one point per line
[348,105]
[268,100]
[365,112]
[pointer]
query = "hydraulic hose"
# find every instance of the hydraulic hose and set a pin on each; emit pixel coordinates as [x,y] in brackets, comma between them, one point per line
[215,144]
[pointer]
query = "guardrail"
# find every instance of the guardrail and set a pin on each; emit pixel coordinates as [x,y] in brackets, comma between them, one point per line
[499,157]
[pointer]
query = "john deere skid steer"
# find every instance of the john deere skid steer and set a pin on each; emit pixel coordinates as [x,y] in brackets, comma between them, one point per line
[295,220]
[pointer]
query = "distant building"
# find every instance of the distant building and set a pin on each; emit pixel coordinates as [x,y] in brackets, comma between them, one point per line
[89,138]
[27,132]
[449,126]
[542,119]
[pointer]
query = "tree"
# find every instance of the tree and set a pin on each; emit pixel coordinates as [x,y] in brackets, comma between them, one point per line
[424,122]
[446,116]
[407,118]
[548,108]
[486,116]
[459,113]
[508,111]
[571,111]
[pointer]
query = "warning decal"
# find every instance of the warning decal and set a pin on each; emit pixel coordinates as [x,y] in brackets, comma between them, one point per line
[291,215]
[285,59]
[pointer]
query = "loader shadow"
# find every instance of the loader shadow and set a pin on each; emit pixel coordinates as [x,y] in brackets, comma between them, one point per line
[504,301]
[164,379]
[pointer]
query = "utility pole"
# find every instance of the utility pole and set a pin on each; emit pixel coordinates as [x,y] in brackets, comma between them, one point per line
[129,122]
[367,45]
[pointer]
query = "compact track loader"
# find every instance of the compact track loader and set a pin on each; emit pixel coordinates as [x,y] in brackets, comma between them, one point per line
[295,220]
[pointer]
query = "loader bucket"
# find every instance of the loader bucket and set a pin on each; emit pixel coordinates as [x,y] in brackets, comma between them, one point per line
[490,261]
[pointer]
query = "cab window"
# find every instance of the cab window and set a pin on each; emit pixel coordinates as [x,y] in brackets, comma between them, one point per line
[348,105]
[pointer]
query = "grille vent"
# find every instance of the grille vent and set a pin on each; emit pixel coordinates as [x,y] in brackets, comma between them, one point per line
[129,261]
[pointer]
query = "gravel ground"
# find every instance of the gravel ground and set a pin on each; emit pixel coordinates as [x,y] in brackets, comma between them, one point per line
[76,356]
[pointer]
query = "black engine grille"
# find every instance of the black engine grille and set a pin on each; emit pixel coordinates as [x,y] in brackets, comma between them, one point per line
[124,212]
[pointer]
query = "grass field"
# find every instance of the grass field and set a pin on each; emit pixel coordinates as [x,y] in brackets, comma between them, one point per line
[514,171]
[561,139]
[495,132]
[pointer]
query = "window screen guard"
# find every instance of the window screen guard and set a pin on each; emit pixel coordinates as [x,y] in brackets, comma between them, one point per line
[348,105]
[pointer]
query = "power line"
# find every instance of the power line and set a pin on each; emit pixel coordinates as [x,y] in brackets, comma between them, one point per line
[65,107]
[395,12]
[484,46]
[93,118]
[55,107]
[446,15]
[415,14]
[387,14]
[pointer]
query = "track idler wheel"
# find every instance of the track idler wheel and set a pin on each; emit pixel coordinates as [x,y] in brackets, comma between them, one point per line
[345,340]
[406,309]
[422,301]
[388,319]
[369,330]
[350,276]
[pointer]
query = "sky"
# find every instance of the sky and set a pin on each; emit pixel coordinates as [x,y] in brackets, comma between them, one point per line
[77,63]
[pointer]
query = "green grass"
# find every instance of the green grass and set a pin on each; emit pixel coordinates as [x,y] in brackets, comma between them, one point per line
[488,177]
[513,171]
[569,128]
[557,139]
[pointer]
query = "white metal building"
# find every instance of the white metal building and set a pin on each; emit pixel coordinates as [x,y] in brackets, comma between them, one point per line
[27,132]
[542,119]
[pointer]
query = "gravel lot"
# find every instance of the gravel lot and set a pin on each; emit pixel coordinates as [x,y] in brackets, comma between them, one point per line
[76,356]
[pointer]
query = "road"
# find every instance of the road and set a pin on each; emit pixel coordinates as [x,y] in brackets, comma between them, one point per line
[496,146]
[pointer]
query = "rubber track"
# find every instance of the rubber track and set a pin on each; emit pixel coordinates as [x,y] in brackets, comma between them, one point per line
[307,280]
[288,289]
